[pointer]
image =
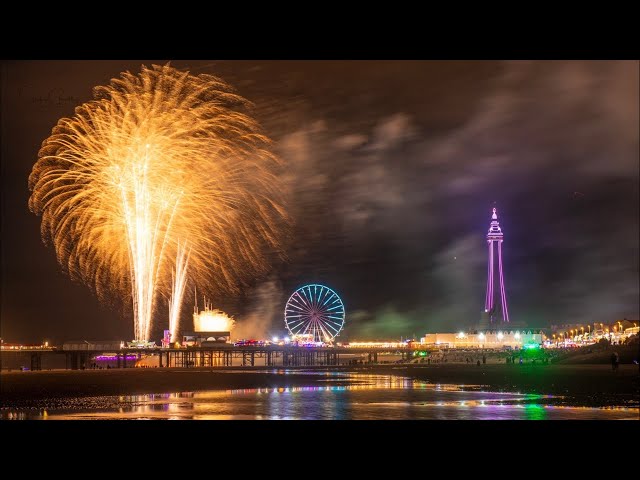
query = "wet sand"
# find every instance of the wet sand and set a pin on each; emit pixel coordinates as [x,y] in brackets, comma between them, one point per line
[595,385]
[583,384]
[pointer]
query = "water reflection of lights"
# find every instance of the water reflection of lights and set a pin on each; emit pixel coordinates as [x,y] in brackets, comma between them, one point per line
[348,396]
[364,382]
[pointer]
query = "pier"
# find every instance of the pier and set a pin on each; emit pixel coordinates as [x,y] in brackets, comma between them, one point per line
[224,355]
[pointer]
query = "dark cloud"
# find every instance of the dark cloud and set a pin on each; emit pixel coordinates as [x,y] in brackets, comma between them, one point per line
[541,132]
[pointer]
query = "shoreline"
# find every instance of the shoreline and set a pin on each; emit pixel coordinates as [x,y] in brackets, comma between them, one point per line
[593,385]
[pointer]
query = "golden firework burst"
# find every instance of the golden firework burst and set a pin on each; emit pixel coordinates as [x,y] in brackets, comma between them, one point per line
[162,179]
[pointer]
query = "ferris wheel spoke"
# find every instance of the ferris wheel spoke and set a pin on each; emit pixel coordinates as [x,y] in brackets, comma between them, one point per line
[295,305]
[325,335]
[325,332]
[307,295]
[327,292]
[297,300]
[305,299]
[310,327]
[318,296]
[296,297]
[299,304]
[302,299]
[335,326]
[298,318]
[335,321]
[322,292]
[295,325]
[319,330]
[312,300]
[328,325]
[311,296]
[327,300]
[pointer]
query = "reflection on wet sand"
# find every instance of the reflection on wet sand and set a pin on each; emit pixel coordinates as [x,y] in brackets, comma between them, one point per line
[350,396]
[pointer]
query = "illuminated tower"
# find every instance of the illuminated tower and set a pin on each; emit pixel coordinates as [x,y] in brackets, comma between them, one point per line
[492,308]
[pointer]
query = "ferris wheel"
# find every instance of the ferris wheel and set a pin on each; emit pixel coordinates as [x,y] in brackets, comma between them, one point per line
[314,310]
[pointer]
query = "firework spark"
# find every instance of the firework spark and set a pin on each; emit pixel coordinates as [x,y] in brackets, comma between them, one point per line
[160,173]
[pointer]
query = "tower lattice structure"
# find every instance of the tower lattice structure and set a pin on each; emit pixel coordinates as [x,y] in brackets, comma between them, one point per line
[492,308]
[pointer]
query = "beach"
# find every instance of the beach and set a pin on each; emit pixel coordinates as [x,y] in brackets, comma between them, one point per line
[595,385]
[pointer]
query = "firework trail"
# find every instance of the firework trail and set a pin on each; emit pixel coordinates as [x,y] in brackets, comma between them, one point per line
[178,283]
[161,179]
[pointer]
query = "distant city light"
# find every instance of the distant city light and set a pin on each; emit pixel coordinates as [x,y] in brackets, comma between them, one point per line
[115,357]
[376,345]
[275,339]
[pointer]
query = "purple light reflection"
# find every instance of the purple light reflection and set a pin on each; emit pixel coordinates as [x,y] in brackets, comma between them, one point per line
[106,358]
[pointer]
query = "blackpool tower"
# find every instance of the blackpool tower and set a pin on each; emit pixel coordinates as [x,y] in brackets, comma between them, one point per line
[495,305]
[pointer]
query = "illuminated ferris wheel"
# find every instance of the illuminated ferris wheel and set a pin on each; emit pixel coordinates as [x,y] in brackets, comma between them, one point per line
[314,310]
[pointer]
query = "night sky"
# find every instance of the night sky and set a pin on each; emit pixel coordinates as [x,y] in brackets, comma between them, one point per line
[392,170]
